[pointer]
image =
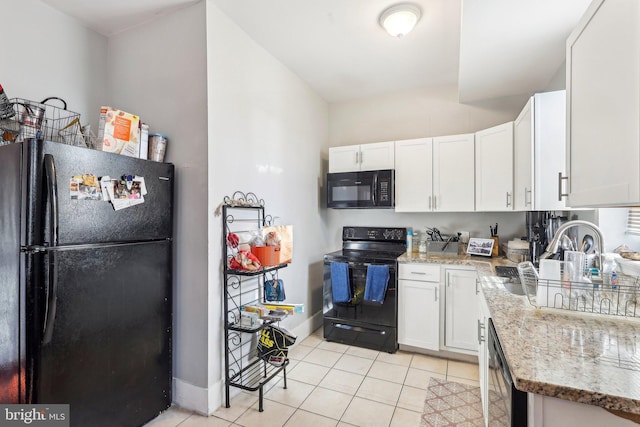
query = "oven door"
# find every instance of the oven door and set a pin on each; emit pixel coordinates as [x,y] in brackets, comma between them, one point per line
[358,322]
[368,189]
[507,405]
[374,313]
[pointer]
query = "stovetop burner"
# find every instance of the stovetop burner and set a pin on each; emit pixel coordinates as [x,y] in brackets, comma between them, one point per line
[346,255]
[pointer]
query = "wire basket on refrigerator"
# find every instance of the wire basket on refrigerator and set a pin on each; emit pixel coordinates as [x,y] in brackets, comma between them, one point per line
[41,120]
[602,293]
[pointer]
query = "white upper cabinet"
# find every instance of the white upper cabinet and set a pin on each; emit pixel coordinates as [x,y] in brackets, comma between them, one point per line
[377,156]
[344,159]
[603,106]
[494,168]
[454,173]
[540,153]
[523,159]
[435,174]
[414,178]
[363,157]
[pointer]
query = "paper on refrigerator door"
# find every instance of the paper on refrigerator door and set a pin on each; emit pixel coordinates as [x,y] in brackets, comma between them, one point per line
[123,193]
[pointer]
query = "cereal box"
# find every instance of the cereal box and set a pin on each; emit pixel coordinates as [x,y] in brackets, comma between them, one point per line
[119,132]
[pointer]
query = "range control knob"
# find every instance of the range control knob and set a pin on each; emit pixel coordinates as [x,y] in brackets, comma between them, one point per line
[349,233]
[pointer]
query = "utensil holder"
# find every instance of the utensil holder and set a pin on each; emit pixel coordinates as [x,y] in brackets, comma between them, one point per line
[442,248]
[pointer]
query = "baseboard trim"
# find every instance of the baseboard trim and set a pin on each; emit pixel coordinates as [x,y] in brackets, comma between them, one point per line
[307,327]
[191,397]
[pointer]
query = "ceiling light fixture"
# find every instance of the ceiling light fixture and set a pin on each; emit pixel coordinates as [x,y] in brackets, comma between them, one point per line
[400,19]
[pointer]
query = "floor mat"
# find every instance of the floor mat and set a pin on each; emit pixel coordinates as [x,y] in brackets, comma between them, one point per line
[451,404]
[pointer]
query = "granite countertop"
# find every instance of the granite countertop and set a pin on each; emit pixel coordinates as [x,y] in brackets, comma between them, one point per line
[585,358]
[484,264]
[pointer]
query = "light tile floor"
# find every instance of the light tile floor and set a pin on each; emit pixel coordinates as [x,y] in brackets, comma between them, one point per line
[330,384]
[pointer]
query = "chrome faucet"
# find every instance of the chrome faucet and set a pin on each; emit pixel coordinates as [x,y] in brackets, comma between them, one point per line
[552,247]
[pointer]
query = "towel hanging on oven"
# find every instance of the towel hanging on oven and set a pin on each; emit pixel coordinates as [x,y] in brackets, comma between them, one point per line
[377,282]
[340,285]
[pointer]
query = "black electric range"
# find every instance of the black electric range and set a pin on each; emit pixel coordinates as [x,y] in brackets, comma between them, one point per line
[359,322]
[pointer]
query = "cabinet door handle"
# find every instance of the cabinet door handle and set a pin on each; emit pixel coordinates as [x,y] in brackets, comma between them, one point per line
[477,287]
[480,334]
[419,272]
[560,179]
[435,205]
[508,199]
[526,191]
[429,202]
[436,295]
[361,157]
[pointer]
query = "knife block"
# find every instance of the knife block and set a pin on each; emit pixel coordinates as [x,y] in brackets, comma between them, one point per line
[496,246]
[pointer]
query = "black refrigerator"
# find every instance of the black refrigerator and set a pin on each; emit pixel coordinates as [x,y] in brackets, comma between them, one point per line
[85,290]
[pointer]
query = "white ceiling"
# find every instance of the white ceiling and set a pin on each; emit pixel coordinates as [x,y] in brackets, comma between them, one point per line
[489,48]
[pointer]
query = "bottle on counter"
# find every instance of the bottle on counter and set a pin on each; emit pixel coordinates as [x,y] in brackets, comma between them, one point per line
[409,242]
[608,269]
[422,248]
[416,241]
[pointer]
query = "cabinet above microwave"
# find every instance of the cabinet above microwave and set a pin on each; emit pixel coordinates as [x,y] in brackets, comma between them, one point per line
[364,157]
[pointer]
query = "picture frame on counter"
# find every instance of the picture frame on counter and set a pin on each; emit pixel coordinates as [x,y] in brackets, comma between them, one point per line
[481,247]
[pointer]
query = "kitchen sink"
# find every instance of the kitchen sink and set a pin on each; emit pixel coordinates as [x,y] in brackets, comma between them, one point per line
[513,286]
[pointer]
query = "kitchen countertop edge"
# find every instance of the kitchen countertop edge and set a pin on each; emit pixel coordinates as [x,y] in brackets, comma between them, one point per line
[575,378]
[510,312]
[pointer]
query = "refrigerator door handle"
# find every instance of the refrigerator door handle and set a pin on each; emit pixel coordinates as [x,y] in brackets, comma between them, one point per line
[52,196]
[51,281]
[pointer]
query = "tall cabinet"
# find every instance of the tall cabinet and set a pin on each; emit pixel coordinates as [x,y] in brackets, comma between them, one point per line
[603,106]
[539,153]
[243,214]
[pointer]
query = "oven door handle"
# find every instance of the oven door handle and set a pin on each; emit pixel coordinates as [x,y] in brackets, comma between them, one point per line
[359,329]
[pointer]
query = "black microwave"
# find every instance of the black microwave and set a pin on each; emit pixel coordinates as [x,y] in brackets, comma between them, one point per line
[365,189]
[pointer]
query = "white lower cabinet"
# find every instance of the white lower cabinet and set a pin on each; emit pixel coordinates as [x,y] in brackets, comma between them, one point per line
[461,309]
[419,306]
[438,307]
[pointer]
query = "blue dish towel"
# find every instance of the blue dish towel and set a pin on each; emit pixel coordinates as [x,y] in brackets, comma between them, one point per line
[377,281]
[340,282]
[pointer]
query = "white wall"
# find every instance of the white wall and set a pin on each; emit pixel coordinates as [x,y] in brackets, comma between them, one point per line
[46,53]
[158,71]
[613,223]
[559,79]
[267,130]
[430,111]
[433,111]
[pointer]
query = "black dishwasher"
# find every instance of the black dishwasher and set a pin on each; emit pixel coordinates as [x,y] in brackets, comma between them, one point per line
[507,405]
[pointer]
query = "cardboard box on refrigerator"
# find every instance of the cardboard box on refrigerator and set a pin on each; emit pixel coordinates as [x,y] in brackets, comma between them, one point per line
[119,132]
